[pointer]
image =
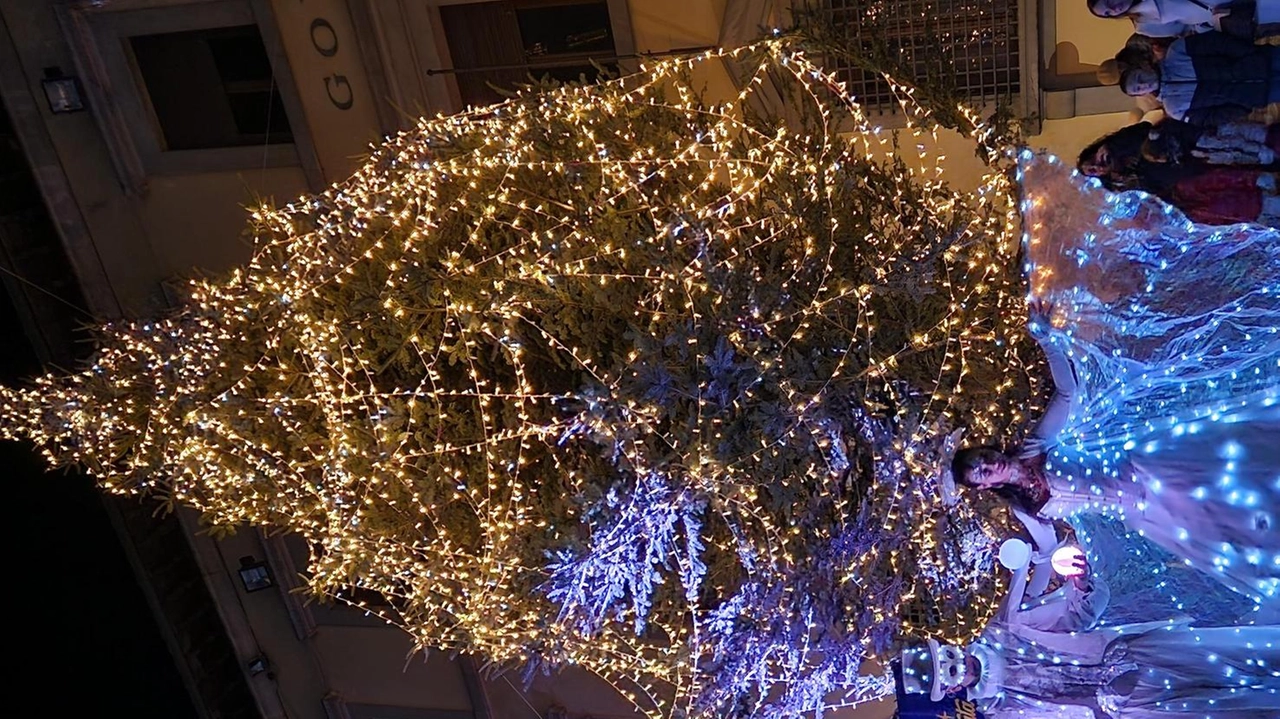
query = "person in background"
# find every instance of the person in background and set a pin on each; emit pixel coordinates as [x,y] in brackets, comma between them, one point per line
[1228,195]
[1233,143]
[1209,79]
[1117,160]
[1206,193]
[1035,664]
[1139,51]
[1246,19]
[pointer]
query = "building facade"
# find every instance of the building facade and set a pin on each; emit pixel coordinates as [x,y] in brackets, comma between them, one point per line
[149,126]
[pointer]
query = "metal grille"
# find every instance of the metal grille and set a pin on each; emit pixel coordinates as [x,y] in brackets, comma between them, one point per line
[972,42]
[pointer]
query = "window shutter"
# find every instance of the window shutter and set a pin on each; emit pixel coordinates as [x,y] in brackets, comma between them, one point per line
[484,35]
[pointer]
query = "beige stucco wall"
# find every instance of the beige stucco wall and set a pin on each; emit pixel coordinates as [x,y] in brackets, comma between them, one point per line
[662,25]
[1064,138]
[363,663]
[197,222]
[1067,137]
[170,226]
[667,24]
[374,665]
[126,253]
[1094,38]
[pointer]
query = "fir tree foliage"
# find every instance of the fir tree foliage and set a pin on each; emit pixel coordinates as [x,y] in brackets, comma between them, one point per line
[609,376]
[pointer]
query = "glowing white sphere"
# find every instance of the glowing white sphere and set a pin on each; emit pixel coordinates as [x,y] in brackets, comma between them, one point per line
[1015,553]
[1064,561]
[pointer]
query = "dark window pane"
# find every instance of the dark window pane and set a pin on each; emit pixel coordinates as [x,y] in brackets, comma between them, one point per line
[259,114]
[211,88]
[483,35]
[574,73]
[503,43]
[240,56]
[565,28]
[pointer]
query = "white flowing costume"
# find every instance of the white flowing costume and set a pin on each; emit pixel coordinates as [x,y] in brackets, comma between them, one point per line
[1165,348]
[1052,661]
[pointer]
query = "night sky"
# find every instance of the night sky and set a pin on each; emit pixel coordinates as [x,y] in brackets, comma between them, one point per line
[87,642]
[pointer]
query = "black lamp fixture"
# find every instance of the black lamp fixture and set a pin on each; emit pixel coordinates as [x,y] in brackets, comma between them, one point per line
[259,665]
[62,91]
[254,574]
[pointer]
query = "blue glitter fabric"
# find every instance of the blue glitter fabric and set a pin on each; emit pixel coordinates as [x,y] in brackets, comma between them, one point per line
[1150,584]
[1156,670]
[1173,332]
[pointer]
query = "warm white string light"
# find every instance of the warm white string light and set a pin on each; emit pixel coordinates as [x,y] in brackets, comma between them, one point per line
[427,371]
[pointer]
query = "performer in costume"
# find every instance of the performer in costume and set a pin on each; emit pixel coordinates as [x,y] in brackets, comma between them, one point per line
[1163,338]
[1053,662]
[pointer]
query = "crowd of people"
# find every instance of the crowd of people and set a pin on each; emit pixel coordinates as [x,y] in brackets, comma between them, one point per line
[1206,73]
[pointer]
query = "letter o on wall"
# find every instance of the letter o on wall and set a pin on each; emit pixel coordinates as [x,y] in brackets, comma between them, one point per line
[323,37]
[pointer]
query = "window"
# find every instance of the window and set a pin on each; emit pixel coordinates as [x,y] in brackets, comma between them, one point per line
[974,42]
[189,87]
[211,88]
[503,43]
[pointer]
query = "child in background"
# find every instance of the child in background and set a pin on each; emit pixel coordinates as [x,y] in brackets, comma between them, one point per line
[1139,51]
[1209,79]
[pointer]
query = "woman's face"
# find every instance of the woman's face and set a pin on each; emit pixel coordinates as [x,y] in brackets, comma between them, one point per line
[993,471]
[1111,8]
[1099,165]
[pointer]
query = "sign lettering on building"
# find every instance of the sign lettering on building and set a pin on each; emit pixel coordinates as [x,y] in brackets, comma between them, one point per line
[332,83]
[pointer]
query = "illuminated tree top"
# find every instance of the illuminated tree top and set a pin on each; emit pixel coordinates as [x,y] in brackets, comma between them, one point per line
[608,375]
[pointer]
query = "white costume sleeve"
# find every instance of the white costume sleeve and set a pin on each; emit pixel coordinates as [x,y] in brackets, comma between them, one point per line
[1069,609]
[1012,709]
[1059,409]
[1045,537]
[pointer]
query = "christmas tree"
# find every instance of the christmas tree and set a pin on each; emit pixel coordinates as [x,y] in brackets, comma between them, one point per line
[609,376]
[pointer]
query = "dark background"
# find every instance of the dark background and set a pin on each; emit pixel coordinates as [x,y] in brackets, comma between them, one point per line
[87,640]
